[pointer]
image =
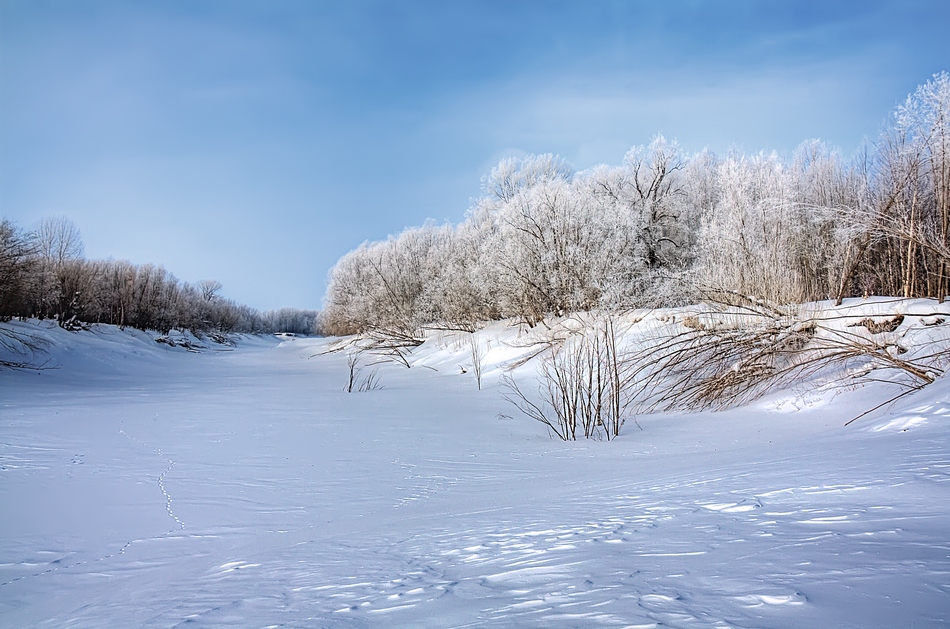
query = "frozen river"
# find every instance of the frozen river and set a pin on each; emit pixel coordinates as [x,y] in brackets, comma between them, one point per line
[157,488]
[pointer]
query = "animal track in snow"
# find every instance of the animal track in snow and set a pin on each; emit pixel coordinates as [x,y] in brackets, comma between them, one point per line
[168,498]
[161,480]
[419,487]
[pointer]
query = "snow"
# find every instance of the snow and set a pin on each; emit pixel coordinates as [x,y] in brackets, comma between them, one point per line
[145,485]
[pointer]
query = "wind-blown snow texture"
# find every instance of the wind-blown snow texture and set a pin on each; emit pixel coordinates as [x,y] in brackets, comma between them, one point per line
[143,485]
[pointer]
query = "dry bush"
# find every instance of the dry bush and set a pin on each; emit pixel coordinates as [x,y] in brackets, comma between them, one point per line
[380,347]
[736,349]
[583,389]
[362,384]
[476,354]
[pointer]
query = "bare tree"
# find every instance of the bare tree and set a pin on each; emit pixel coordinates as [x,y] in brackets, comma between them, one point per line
[209,289]
[58,240]
[17,270]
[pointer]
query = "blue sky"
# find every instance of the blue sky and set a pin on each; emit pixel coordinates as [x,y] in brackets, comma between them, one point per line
[257,142]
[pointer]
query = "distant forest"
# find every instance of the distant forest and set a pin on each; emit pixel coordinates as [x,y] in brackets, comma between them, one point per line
[663,228]
[43,274]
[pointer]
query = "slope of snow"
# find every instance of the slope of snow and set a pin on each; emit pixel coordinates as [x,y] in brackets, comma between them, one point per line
[143,485]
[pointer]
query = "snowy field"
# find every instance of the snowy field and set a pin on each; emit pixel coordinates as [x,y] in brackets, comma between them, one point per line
[144,485]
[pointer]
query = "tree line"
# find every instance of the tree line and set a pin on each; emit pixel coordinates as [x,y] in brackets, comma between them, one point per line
[44,274]
[664,227]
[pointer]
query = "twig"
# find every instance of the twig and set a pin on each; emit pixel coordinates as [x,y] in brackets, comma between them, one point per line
[893,399]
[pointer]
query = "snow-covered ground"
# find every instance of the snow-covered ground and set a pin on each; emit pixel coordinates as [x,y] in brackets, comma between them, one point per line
[144,485]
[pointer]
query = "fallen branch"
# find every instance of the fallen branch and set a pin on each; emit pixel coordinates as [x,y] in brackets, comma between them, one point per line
[18,350]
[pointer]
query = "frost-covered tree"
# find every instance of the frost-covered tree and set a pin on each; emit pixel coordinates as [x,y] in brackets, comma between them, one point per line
[513,175]
[900,224]
[919,153]
[290,320]
[58,242]
[772,230]
[662,227]
[383,286]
